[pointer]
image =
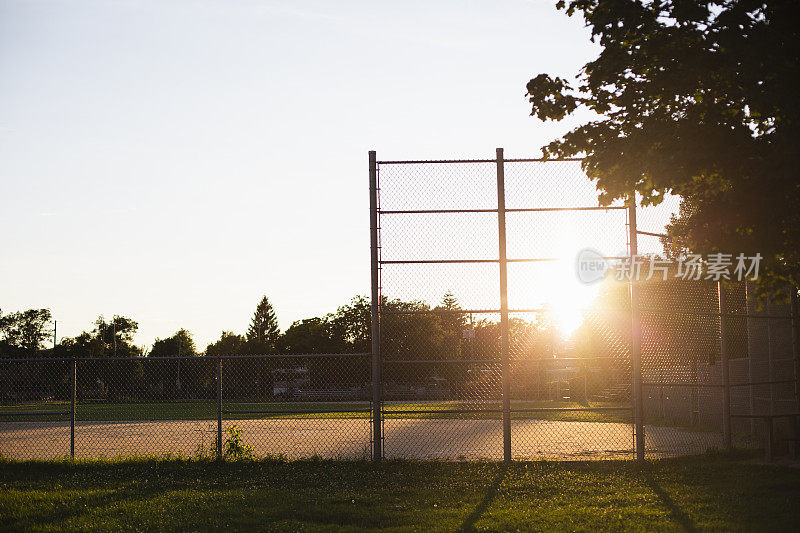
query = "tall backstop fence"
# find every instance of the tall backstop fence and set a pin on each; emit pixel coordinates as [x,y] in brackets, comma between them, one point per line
[511,317]
[515,317]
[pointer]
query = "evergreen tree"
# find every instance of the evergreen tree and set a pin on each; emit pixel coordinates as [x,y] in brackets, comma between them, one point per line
[452,321]
[264,328]
[452,324]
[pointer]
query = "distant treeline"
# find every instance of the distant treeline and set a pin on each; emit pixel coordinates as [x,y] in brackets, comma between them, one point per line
[438,332]
[119,369]
[440,349]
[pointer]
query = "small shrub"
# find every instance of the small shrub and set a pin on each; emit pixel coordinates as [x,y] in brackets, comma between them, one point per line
[234,447]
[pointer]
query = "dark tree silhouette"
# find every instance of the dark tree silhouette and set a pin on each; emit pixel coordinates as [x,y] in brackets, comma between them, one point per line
[107,377]
[26,330]
[179,377]
[264,330]
[453,323]
[181,344]
[229,343]
[694,98]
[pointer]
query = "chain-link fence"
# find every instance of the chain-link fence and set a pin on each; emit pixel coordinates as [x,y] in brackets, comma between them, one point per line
[506,322]
[270,405]
[494,343]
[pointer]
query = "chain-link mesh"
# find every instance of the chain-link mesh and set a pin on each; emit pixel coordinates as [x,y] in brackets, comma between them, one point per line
[36,410]
[292,406]
[687,320]
[549,373]
[441,322]
[570,369]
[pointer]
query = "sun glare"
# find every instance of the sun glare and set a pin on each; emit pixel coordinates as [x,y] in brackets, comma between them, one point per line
[564,294]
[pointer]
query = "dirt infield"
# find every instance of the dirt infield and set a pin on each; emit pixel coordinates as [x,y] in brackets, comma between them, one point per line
[350,438]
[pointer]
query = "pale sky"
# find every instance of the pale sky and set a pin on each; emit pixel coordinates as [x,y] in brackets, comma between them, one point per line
[172,161]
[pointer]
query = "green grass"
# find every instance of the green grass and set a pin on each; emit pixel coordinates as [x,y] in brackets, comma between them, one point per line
[701,493]
[207,410]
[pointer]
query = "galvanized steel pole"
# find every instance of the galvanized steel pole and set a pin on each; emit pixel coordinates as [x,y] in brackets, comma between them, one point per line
[219,408]
[504,348]
[796,349]
[636,335]
[72,407]
[726,376]
[377,451]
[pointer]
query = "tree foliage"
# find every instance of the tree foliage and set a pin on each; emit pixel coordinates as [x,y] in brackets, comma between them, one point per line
[695,98]
[179,344]
[264,330]
[26,330]
[229,343]
[108,339]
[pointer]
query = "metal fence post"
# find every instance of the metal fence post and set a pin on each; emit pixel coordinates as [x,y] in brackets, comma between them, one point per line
[751,397]
[796,349]
[636,335]
[72,407]
[377,451]
[726,376]
[506,378]
[219,407]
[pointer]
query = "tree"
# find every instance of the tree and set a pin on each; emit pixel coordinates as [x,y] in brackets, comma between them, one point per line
[352,325]
[453,322]
[27,330]
[452,319]
[229,343]
[178,377]
[694,98]
[264,331]
[116,336]
[108,339]
[179,344]
[312,335]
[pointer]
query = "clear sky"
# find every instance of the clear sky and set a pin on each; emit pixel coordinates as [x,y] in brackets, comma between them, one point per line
[172,161]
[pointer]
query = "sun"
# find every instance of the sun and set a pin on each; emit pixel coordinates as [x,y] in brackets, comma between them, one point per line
[563,294]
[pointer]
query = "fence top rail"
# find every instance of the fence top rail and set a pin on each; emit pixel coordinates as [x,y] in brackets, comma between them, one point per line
[507,210]
[759,383]
[514,359]
[753,316]
[439,311]
[767,416]
[509,160]
[469,261]
[33,413]
[595,308]
[434,311]
[294,411]
[698,384]
[179,357]
[437,361]
[568,409]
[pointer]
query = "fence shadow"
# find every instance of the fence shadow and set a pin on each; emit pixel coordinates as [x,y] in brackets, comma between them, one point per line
[488,498]
[674,510]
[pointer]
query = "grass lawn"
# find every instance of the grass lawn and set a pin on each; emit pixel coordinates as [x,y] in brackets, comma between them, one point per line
[709,492]
[207,410]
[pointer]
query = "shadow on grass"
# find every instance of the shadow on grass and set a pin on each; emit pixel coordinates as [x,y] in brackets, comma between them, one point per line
[488,498]
[674,510]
